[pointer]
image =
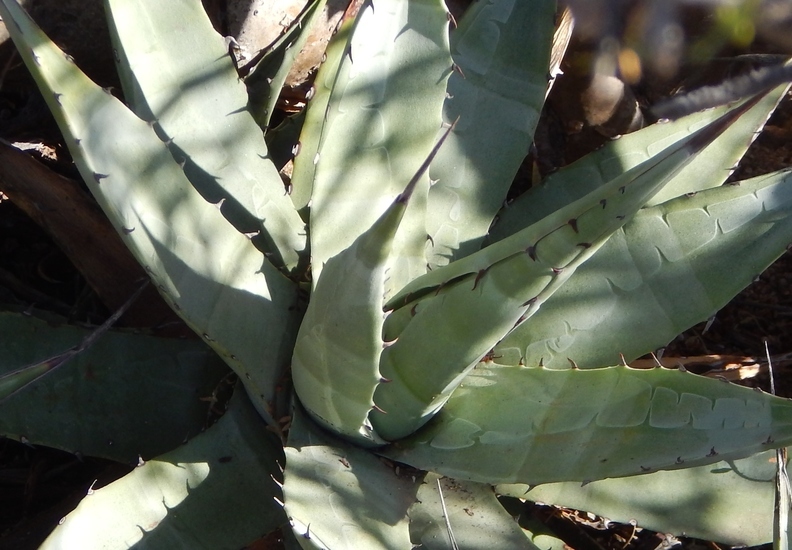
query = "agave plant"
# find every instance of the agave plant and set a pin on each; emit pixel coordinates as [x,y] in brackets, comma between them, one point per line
[439,342]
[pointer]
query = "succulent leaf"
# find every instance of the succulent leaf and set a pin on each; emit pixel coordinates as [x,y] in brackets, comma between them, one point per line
[306,154]
[208,272]
[268,76]
[334,366]
[216,492]
[674,265]
[535,425]
[501,50]
[388,92]
[562,212]
[339,496]
[476,518]
[498,288]
[178,75]
[710,168]
[728,501]
[104,402]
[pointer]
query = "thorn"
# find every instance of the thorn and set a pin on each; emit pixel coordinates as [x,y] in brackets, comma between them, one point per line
[57,98]
[430,239]
[68,57]
[681,368]
[531,250]
[457,69]
[384,380]
[604,202]
[679,460]
[623,360]
[574,365]
[712,452]
[479,276]
[99,177]
[408,191]
[541,362]
[622,189]
[769,440]
[378,409]
[279,502]
[127,230]
[296,149]
[451,19]
[644,469]
[573,224]
[557,270]
[656,360]
[584,246]
[413,310]
[529,303]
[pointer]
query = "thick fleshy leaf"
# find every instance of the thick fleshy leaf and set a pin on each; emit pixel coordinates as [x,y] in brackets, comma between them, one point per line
[469,512]
[335,362]
[730,502]
[388,93]
[339,496]
[306,151]
[177,73]
[501,49]
[710,168]
[216,492]
[265,81]
[536,425]
[209,273]
[672,266]
[498,288]
[105,401]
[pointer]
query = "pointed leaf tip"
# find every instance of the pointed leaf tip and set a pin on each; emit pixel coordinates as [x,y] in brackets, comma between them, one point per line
[408,191]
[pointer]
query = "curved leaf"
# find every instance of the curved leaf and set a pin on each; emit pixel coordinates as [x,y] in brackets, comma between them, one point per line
[208,272]
[728,502]
[501,50]
[339,496]
[177,72]
[476,518]
[710,167]
[311,136]
[106,400]
[388,93]
[216,492]
[266,80]
[672,266]
[336,357]
[513,278]
[536,425]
